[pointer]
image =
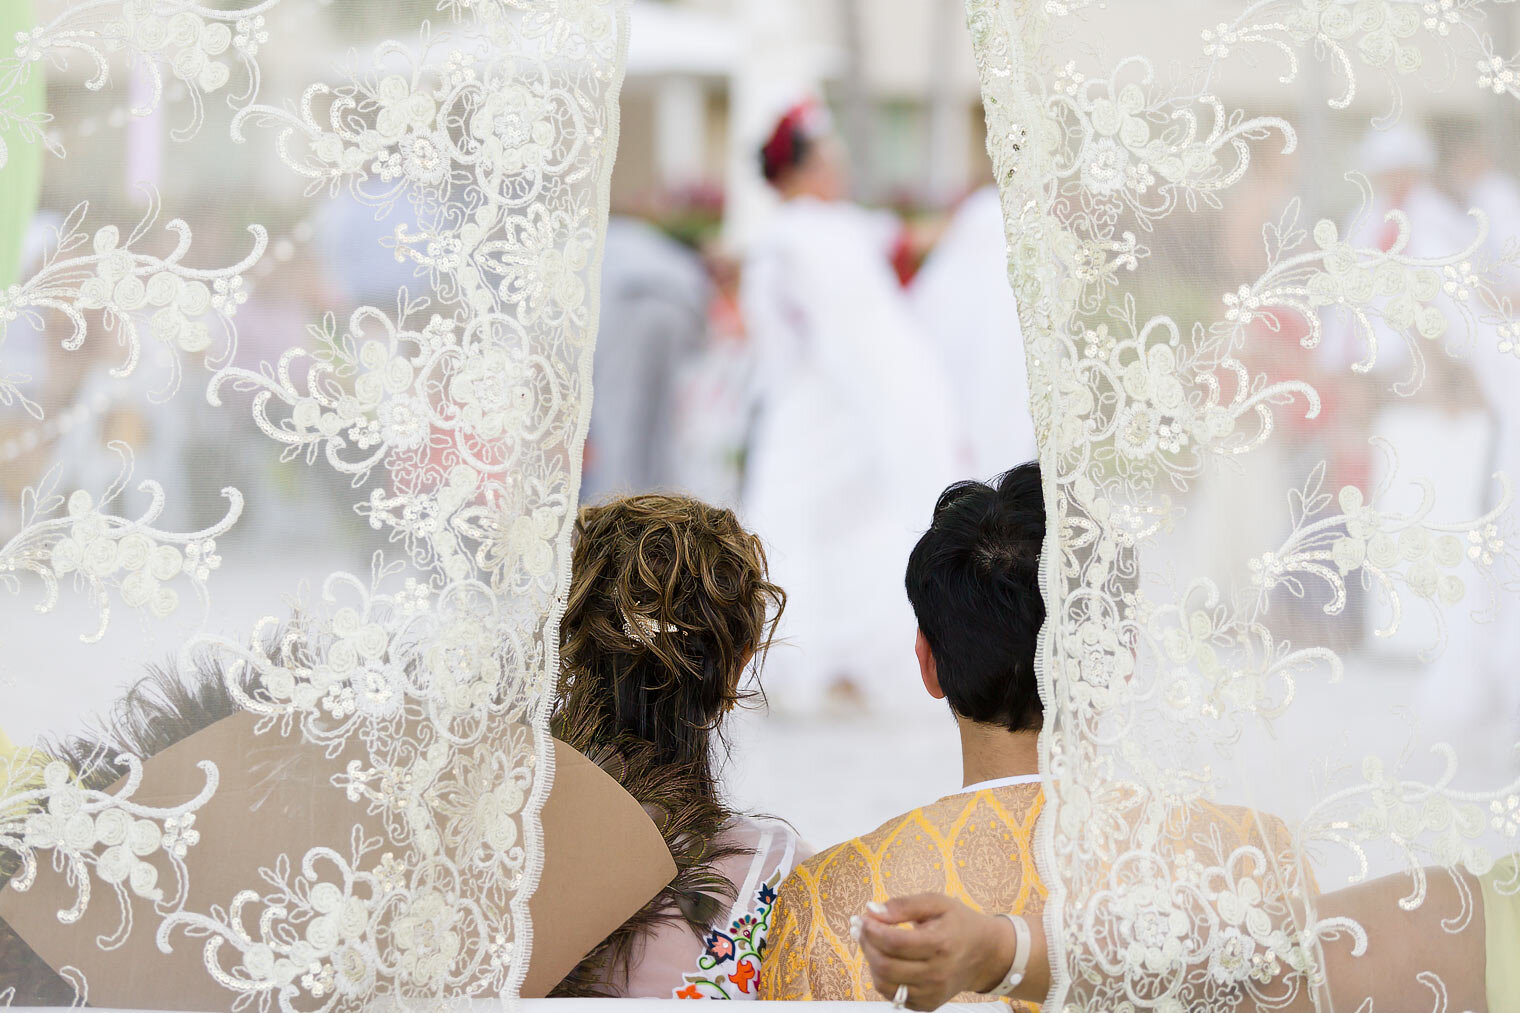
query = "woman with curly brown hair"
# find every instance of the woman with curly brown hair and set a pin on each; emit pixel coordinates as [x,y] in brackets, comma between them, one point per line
[670,602]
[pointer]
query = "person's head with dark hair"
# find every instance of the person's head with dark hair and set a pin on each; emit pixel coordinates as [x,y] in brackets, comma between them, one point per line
[801,158]
[670,602]
[973,580]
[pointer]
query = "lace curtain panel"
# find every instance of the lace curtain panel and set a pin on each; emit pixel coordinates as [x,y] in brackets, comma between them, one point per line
[298,305]
[1272,357]
[298,301]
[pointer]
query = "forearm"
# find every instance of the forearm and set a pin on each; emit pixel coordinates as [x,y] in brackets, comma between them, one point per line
[1370,947]
[996,951]
[1404,951]
[925,950]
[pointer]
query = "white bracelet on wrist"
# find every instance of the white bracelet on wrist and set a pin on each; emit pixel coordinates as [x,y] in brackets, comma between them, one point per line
[1021,946]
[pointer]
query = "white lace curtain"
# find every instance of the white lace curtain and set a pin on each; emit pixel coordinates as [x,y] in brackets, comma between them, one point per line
[1272,356]
[298,301]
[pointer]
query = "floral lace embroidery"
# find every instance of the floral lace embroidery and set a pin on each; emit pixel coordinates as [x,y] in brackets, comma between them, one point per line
[464,402]
[1144,675]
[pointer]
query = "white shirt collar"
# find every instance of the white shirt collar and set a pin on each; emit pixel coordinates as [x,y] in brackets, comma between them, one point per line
[1000,782]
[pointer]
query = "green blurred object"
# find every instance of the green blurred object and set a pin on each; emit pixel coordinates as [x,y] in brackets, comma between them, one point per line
[21,175]
[1501,918]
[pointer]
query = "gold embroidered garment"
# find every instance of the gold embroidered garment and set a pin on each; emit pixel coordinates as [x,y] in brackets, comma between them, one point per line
[975,846]
[978,847]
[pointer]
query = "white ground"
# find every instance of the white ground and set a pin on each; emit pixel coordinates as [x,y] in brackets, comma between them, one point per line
[831,777]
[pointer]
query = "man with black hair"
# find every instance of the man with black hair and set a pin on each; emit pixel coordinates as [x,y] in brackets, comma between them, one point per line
[973,581]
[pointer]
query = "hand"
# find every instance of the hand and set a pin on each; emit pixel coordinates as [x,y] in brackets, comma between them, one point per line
[936,946]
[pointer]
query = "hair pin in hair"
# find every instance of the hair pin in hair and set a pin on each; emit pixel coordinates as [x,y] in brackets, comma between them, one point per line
[643,630]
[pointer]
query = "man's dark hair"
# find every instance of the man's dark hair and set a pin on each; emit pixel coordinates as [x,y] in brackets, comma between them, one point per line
[973,579]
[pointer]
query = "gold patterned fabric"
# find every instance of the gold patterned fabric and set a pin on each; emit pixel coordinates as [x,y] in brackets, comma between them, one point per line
[978,847]
[975,846]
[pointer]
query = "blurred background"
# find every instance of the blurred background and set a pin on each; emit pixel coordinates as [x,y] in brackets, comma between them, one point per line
[708,81]
[681,394]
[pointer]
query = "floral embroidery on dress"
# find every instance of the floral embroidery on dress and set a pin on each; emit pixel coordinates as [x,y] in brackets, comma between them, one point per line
[729,967]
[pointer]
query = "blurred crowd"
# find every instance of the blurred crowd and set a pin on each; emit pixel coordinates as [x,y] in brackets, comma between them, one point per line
[697,381]
[829,381]
[124,387]
[830,377]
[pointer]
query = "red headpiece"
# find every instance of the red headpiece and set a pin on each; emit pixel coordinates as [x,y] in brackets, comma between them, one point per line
[802,122]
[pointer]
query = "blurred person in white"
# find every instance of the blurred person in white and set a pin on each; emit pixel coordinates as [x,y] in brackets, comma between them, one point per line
[1438,423]
[357,242]
[81,446]
[655,294]
[1404,201]
[284,307]
[963,299]
[1242,494]
[1482,182]
[856,432]
[24,445]
[715,397]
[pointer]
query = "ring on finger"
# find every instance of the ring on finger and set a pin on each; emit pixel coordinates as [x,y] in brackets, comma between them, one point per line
[900,999]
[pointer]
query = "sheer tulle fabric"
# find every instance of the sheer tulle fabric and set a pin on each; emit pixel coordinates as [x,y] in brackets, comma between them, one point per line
[293,378]
[1266,284]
